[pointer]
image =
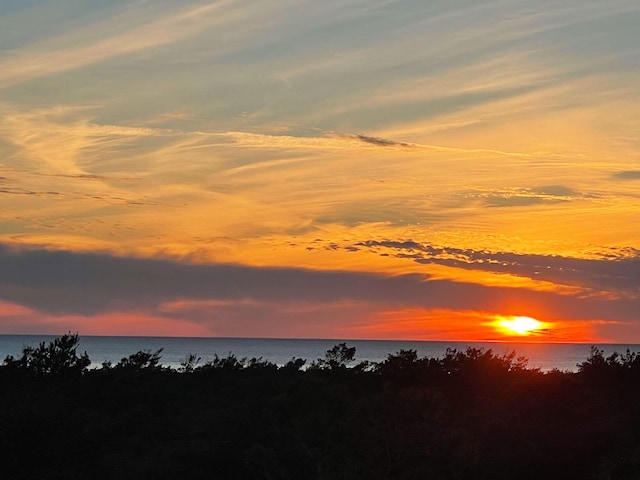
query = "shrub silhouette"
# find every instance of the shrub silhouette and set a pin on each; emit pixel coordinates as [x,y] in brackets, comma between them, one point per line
[295,364]
[230,362]
[189,364]
[142,360]
[59,357]
[336,358]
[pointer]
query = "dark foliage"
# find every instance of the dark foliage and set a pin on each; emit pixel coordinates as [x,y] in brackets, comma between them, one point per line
[59,357]
[337,358]
[142,360]
[470,414]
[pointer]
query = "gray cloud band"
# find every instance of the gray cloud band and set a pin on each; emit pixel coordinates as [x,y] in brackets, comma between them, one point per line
[620,270]
[81,283]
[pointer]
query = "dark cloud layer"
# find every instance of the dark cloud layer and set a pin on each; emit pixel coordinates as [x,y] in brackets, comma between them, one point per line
[621,272]
[64,282]
[89,284]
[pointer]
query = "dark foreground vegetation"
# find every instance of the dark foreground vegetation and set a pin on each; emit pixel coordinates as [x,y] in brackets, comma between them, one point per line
[469,415]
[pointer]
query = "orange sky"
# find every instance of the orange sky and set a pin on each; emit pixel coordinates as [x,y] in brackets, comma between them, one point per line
[335,169]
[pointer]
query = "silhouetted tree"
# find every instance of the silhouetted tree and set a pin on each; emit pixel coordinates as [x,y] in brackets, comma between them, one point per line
[260,364]
[58,357]
[480,359]
[230,362]
[404,360]
[405,368]
[337,357]
[597,362]
[142,360]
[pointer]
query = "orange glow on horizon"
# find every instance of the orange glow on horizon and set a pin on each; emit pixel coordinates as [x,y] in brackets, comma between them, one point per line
[401,324]
[474,326]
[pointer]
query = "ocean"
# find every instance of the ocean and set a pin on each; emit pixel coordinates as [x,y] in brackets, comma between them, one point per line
[546,356]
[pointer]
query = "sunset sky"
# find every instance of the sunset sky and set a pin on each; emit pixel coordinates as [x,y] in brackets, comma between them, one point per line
[401,169]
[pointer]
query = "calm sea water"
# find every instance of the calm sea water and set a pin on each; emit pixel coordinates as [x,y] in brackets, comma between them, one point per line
[563,356]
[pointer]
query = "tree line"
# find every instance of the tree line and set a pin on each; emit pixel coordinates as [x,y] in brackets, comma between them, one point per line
[468,414]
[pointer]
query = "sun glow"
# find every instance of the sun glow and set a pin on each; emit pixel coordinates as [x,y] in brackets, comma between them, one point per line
[519,325]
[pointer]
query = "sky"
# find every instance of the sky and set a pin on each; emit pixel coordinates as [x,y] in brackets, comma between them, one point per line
[343,169]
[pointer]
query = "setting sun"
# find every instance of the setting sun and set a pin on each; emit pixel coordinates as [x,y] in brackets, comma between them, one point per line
[519,325]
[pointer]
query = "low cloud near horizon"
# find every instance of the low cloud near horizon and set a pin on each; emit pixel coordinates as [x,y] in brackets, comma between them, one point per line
[240,300]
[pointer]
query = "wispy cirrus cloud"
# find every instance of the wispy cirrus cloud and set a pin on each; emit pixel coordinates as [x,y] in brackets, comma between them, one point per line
[86,46]
[522,197]
[63,139]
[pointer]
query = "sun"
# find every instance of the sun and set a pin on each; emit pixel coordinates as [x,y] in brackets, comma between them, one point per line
[523,326]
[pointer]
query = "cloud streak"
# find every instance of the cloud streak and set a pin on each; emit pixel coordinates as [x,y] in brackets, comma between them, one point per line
[627,175]
[57,56]
[619,272]
[382,142]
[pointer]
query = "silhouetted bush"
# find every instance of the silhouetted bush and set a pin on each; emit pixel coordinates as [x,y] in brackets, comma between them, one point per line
[142,360]
[58,357]
[189,364]
[295,364]
[230,362]
[336,358]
